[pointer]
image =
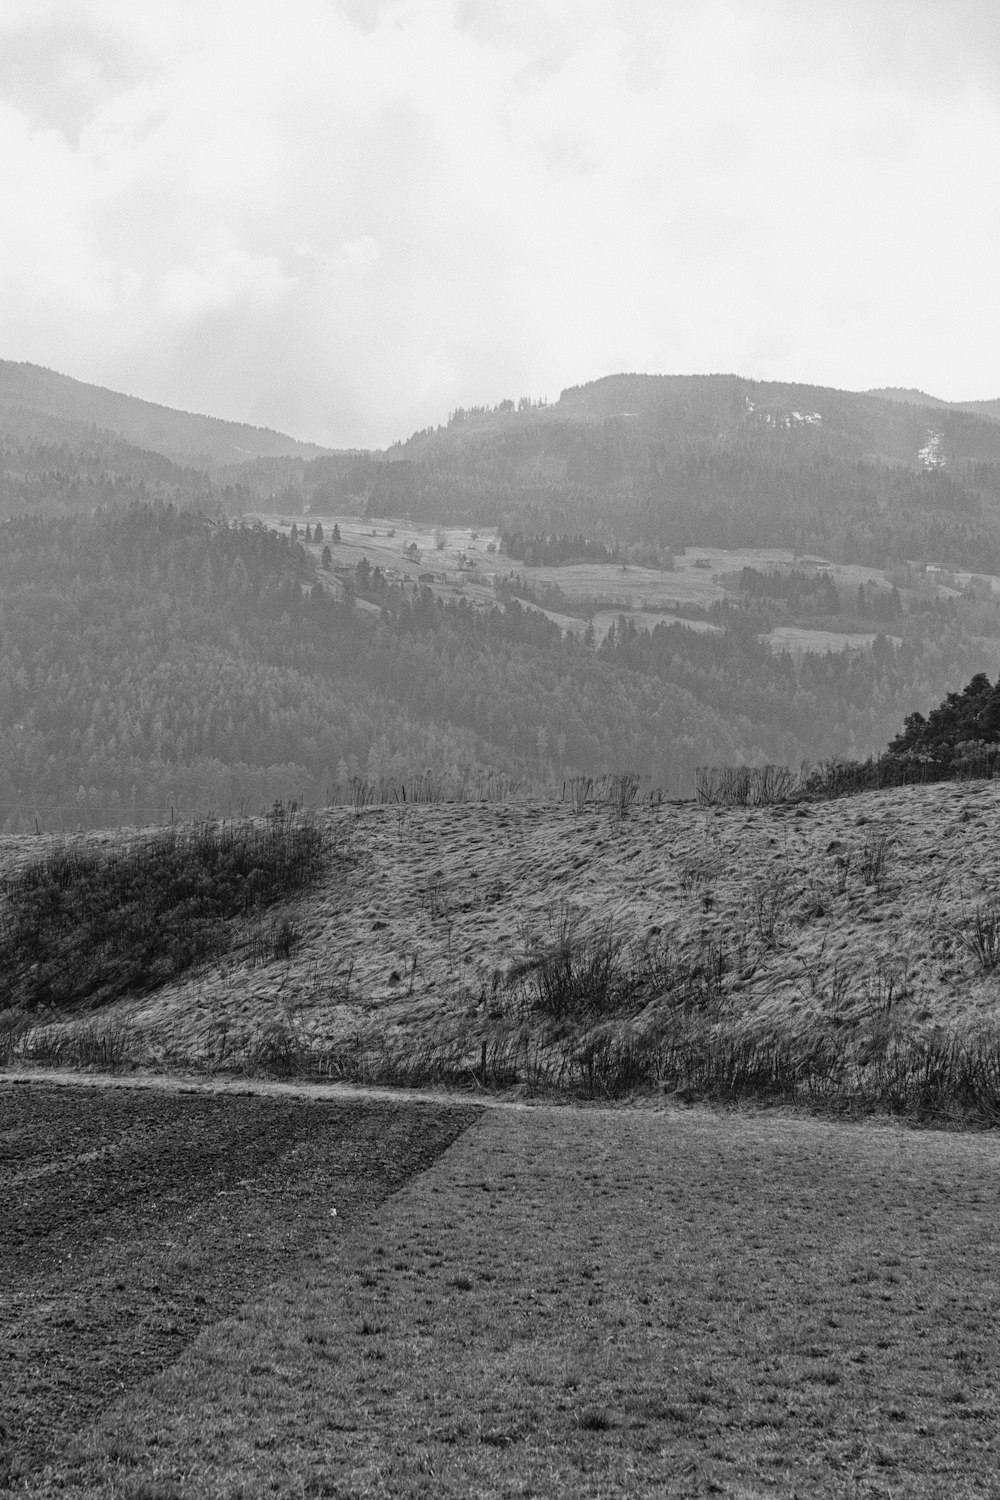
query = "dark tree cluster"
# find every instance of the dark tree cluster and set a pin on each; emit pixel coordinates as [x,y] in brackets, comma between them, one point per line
[969,717]
[557,551]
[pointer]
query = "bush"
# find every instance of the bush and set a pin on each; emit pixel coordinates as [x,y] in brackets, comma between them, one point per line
[87,925]
[744,786]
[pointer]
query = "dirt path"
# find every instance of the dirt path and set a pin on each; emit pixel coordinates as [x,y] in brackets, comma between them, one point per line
[275,1088]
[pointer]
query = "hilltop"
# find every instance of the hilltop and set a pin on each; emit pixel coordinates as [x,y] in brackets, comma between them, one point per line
[518,943]
[679,461]
[990,410]
[48,406]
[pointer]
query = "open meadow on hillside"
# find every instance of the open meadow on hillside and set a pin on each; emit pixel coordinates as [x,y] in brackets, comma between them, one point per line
[454,559]
[565,1303]
[840,954]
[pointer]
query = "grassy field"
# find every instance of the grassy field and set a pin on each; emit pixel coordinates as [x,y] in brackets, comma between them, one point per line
[597,1303]
[460,562]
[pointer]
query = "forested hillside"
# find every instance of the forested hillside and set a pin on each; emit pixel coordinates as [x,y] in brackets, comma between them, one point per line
[712,461]
[59,406]
[153,659]
[59,473]
[158,654]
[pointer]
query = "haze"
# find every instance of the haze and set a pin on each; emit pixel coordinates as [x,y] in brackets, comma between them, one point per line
[344,219]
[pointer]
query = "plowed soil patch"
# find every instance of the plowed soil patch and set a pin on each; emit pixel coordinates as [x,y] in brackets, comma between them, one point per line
[129,1221]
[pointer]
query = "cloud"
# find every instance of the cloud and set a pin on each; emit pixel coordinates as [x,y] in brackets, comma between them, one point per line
[346,218]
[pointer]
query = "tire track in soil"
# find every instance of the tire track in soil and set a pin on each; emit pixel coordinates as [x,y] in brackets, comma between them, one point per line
[114,1259]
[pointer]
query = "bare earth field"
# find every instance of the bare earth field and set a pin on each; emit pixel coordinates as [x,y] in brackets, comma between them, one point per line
[565,1302]
[130,1221]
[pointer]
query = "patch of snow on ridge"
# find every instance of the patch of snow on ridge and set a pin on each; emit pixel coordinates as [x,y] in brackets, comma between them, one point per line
[788,420]
[930,455]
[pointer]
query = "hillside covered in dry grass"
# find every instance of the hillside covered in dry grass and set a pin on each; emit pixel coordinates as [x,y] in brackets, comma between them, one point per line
[845,951]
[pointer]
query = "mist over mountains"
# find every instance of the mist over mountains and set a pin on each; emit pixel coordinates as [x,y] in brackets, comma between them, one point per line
[651,573]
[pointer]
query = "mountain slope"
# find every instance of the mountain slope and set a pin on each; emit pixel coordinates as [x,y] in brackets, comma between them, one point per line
[716,461]
[988,410]
[208,442]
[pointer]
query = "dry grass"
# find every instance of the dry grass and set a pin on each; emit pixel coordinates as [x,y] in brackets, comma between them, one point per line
[825,925]
[600,1304]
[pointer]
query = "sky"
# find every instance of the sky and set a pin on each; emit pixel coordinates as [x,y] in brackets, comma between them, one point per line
[345,218]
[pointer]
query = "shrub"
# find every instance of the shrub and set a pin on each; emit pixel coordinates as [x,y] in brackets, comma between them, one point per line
[879,844]
[744,786]
[86,925]
[982,936]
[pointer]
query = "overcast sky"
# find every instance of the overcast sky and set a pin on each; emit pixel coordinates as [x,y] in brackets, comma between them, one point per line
[343,218]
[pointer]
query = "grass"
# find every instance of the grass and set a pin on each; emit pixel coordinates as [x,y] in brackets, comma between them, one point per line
[589,1015]
[86,925]
[837,958]
[600,1304]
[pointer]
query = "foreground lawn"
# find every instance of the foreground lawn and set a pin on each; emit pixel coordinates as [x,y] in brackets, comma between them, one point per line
[585,1303]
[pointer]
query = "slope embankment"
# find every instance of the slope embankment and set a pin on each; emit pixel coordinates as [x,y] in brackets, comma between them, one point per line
[832,950]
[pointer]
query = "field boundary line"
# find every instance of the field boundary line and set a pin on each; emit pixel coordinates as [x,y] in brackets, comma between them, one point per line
[179,1083]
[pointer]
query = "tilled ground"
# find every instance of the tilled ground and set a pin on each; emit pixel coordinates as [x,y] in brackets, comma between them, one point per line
[129,1220]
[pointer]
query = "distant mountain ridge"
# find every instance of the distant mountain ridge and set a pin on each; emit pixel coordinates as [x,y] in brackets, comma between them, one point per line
[887,425]
[186,437]
[909,396]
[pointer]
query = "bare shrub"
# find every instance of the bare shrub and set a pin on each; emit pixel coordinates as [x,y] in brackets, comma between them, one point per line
[982,936]
[744,786]
[885,987]
[875,853]
[625,790]
[580,790]
[428,787]
[768,907]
